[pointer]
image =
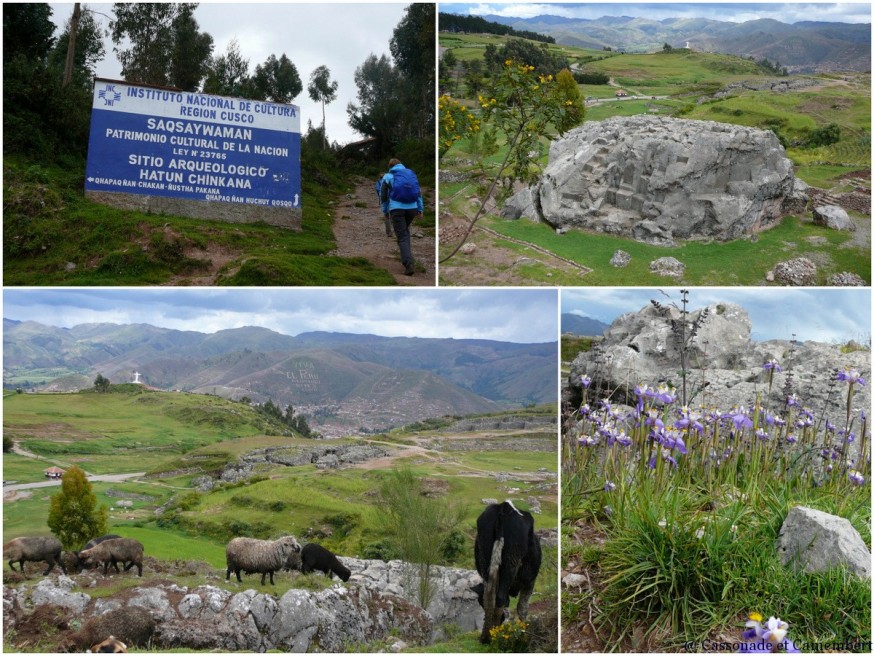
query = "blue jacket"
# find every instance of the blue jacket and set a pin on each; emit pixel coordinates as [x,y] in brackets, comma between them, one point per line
[389,205]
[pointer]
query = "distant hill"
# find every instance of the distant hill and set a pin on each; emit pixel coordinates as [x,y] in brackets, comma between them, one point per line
[478,25]
[574,324]
[341,380]
[802,47]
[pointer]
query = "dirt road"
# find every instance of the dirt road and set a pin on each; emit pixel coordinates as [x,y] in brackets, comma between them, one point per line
[360,232]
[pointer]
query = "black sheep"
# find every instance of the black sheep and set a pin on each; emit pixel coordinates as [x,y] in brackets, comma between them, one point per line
[316,557]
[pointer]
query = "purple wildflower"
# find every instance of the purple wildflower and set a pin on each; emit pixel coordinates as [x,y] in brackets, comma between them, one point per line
[856,478]
[792,400]
[585,381]
[666,394]
[762,435]
[771,365]
[791,438]
[740,418]
[689,419]
[852,376]
[653,419]
[672,440]
[609,486]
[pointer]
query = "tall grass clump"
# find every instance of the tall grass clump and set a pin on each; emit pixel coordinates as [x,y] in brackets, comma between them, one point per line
[692,498]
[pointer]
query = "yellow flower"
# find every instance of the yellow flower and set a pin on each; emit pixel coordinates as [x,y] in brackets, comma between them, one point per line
[756,616]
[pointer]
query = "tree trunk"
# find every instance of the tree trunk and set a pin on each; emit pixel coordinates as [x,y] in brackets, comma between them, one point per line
[71,44]
[324,136]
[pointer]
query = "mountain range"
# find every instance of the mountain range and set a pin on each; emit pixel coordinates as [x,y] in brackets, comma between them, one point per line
[802,47]
[341,381]
[574,324]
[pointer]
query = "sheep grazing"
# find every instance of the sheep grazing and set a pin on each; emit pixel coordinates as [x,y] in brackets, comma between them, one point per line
[316,557]
[111,645]
[22,550]
[111,552]
[93,543]
[263,557]
[292,563]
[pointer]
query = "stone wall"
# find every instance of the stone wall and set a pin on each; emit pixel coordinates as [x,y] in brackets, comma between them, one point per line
[378,603]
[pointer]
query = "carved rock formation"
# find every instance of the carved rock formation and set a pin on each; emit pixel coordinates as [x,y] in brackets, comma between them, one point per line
[657,179]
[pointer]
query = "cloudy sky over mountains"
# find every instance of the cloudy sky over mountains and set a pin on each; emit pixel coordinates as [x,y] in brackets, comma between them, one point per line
[832,315]
[844,12]
[521,316]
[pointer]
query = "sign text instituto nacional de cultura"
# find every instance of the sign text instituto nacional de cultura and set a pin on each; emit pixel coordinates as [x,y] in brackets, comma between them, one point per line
[193,154]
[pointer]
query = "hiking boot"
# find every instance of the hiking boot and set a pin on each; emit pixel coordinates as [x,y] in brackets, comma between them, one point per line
[409,270]
[388,231]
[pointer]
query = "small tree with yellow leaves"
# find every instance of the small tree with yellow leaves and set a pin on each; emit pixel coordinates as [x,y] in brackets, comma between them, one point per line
[526,106]
[456,123]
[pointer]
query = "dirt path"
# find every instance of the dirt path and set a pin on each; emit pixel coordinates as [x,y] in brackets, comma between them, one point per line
[360,232]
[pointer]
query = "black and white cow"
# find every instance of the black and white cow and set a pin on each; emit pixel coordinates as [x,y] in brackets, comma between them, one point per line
[507,555]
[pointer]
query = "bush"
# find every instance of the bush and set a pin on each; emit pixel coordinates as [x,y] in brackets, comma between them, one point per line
[824,136]
[509,637]
[379,550]
[591,77]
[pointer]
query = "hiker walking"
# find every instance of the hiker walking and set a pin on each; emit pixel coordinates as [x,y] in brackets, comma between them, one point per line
[401,203]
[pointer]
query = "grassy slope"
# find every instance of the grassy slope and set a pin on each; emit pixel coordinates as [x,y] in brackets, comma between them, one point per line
[119,432]
[92,429]
[684,77]
[48,223]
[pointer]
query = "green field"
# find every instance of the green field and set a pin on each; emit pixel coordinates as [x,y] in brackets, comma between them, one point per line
[165,433]
[679,79]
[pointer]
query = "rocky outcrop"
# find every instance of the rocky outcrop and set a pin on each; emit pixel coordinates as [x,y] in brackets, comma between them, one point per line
[816,541]
[782,85]
[378,602]
[323,457]
[502,422]
[724,363]
[657,180]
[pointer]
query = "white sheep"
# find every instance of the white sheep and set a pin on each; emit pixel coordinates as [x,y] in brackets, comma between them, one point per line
[253,556]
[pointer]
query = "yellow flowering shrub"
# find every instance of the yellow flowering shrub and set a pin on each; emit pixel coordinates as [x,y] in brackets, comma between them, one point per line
[456,122]
[510,636]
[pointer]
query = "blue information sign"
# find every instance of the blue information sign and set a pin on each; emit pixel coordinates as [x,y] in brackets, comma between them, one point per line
[193,146]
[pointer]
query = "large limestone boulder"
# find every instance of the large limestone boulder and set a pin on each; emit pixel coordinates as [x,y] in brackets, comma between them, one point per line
[834,217]
[658,179]
[816,541]
[724,363]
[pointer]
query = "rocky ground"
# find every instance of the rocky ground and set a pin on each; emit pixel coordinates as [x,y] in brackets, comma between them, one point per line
[201,612]
[360,232]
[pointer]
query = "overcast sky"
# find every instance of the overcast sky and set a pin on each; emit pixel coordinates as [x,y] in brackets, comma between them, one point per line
[339,36]
[846,12]
[521,316]
[822,315]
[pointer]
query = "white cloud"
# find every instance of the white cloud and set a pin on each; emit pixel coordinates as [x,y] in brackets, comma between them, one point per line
[502,315]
